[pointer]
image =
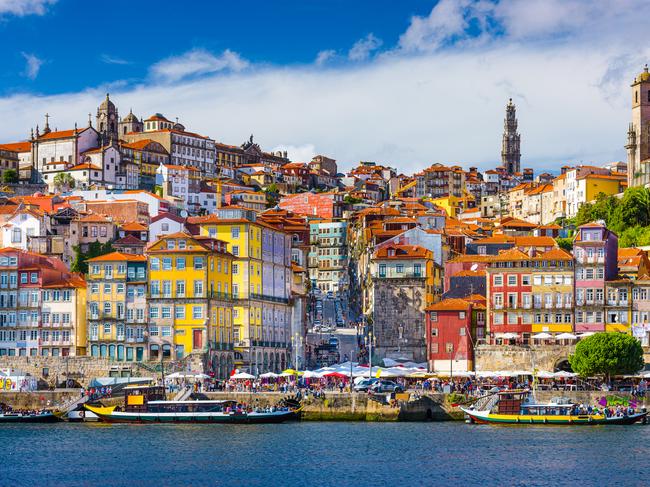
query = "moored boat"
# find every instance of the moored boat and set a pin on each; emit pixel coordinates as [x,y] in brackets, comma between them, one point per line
[516,407]
[148,405]
[28,417]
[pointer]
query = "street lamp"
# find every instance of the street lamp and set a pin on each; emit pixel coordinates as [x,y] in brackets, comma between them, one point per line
[370,341]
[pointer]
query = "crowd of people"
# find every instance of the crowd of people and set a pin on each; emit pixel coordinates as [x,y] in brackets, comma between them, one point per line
[95,393]
[9,411]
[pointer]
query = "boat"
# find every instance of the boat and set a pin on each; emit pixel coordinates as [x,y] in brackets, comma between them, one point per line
[148,405]
[516,407]
[80,414]
[28,417]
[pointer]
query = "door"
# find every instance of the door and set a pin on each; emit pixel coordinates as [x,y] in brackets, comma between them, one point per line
[197,339]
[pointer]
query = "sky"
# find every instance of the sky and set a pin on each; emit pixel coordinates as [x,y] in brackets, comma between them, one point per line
[402,83]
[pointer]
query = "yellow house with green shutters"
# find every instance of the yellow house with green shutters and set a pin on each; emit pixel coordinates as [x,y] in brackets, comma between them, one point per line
[117,306]
[190,299]
[261,286]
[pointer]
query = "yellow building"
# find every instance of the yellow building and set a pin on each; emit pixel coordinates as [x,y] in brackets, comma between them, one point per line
[618,307]
[190,304]
[117,306]
[551,283]
[261,286]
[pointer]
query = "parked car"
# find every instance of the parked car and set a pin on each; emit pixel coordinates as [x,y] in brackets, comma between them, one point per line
[364,385]
[386,386]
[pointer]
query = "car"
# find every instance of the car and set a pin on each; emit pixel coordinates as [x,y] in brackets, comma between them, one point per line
[334,342]
[364,385]
[386,386]
[317,323]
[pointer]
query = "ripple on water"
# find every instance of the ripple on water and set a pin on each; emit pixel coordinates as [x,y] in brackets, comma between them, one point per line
[328,454]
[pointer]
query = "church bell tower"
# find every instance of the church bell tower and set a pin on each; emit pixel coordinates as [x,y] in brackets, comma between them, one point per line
[638,133]
[107,121]
[510,144]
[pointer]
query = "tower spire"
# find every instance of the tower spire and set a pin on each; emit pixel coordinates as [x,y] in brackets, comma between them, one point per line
[510,143]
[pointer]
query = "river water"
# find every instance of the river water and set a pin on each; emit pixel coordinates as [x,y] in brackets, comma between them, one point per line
[328,454]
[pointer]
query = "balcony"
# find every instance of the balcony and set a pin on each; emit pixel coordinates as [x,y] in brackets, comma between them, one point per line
[498,306]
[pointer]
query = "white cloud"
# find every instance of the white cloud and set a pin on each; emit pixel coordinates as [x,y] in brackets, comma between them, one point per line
[324,56]
[447,20]
[303,153]
[108,59]
[197,62]
[407,109]
[32,65]
[20,8]
[362,49]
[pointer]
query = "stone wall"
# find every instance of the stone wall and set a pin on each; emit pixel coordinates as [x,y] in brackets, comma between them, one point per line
[514,357]
[399,303]
[52,371]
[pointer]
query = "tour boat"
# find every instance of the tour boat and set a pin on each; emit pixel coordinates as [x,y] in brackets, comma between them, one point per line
[148,405]
[18,417]
[514,407]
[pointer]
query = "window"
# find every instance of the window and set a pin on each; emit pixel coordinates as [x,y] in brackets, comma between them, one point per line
[234,232]
[235,250]
[461,315]
[153,312]
[198,288]
[525,280]
[180,289]
[166,331]
[199,263]
[166,312]
[434,331]
[155,264]
[382,270]
[498,280]
[179,313]
[197,312]
[180,263]
[167,264]
[512,279]
[33,277]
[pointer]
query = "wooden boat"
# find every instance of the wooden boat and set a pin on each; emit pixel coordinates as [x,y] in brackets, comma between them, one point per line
[147,405]
[15,417]
[514,407]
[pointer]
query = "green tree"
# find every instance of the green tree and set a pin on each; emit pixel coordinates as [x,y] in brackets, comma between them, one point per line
[607,354]
[565,244]
[351,200]
[272,195]
[10,176]
[64,182]
[95,249]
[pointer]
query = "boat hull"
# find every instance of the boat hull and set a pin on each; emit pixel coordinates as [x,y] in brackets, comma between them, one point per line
[109,415]
[484,417]
[34,418]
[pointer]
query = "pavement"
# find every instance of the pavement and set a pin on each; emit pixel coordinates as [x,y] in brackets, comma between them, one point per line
[334,308]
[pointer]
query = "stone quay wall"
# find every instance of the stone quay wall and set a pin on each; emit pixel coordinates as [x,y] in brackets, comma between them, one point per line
[521,357]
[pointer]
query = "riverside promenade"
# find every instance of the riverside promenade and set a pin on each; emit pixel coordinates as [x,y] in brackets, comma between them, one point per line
[332,406]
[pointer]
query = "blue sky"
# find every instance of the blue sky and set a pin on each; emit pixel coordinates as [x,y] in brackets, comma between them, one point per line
[405,83]
[283,32]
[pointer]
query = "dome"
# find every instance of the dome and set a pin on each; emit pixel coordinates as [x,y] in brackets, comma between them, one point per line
[644,75]
[107,103]
[130,118]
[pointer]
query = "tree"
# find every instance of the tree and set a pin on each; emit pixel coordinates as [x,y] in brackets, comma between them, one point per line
[607,354]
[95,249]
[565,244]
[351,200]
[10,176]
[64,181]
[272,195]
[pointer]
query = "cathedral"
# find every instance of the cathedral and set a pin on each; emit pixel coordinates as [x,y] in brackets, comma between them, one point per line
[510,144]
[638,134]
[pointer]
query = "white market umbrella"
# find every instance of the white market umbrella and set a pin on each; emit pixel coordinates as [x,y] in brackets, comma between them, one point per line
[542,336]
[565,336]
[242,375]
[586,334]
[311,374]
[544,374]
[562,374]
[269,375]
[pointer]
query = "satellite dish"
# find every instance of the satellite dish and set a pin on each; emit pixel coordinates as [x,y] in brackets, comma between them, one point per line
[474,267]
[184,215]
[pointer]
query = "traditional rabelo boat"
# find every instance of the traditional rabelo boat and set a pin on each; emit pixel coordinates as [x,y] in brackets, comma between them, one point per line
[148,405]
[28,417]
[519,407]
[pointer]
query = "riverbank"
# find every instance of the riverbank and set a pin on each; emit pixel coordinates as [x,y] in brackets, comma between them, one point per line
[332,406]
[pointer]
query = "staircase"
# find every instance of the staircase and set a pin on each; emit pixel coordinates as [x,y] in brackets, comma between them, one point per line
[486,403]
[183,395]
